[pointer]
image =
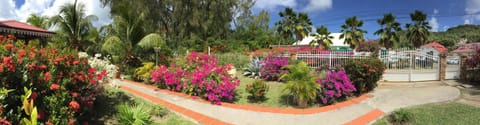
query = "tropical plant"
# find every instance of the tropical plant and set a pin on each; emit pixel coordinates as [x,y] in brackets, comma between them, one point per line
[301,83]
[144,73]
[253,69]
[388,32]
[336,86]
[418,30]
[322,37]
[135,114]
[39,21]
[200,76]
[351,31]
[257,90]
[401,116]
[272,68]
[293,24]
[365,73]
[74,25]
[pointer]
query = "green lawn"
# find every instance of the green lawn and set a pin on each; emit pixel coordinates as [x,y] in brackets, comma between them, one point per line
[441,114]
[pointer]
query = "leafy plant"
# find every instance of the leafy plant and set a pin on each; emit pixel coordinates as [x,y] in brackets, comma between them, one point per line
[365,73]
[301,83]
[144,73]
[335,86]
[136,114]
[257,90]
[401,116]
[272,68]
[253,69]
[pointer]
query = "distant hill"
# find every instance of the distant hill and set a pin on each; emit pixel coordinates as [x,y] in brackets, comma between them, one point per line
[449,38]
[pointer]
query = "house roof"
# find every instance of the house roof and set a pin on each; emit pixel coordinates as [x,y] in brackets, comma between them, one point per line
[13,26]
[467,48]
[437,46]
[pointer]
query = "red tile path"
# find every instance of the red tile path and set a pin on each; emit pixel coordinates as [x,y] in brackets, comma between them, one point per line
[365,119]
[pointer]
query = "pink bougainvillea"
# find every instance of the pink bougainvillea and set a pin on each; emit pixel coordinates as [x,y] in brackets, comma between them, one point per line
[200,76]
[336,86]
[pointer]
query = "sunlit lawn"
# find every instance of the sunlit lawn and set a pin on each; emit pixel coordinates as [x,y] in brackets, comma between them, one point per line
[441,114]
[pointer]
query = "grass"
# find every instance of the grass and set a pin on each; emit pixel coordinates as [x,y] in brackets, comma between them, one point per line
[107,111]
[440,114]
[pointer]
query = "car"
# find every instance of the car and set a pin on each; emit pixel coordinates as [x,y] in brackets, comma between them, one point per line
[453,61]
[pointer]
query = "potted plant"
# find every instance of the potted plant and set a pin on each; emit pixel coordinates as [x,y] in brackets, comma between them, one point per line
[301,83]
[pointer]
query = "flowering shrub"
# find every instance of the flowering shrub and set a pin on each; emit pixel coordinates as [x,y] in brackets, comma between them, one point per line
[473,65]
[257,90]
[365,73]
[101,65]
[144,73]
[334,87]
[272,68]
[63,86]
[200,76]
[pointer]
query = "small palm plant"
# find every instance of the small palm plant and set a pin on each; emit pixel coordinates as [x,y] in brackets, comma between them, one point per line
[134,114]
[253,69]
[301,83]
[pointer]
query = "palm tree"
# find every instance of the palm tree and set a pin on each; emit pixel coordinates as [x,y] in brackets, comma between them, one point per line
[323,37]
[388,32]
[74,24]
[351,32]
[293,24]
[417,31]
[38,21]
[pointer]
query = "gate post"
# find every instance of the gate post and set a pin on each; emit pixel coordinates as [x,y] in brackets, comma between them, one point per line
[443,66]
[463,68]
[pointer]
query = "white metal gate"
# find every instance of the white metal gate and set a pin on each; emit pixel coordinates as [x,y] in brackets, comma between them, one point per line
[452,70]
[411,65]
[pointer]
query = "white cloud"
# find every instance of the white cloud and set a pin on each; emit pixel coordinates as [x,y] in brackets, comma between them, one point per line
[473,11]
[445,28]
[7,9]
[434,24]
[318,5]
[270,5]
[52,8]
[435,11]
[467,21]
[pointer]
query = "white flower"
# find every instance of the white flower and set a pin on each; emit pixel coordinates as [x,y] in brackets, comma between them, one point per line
[98,55]
[82,55]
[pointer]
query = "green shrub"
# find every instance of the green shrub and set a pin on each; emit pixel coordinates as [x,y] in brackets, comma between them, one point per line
[401,116]
[144,73]
[253,69]
[365,73]
[236,59]
[257,90]
[134,114]
[301,83]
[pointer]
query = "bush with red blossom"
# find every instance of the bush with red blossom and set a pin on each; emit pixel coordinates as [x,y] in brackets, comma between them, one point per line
[63,85]
[200,76]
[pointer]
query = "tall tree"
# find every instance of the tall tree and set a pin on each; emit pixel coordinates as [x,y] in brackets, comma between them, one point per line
[39,21]
[74,24]
[417,31]
[293,24]
[323,37]
[388,32]
[351,31]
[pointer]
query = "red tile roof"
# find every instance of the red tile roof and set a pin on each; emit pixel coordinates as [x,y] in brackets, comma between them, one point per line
[437,46]
[19,25]
[469,47]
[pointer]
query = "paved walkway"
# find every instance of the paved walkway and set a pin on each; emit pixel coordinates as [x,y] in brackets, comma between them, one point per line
[362,110]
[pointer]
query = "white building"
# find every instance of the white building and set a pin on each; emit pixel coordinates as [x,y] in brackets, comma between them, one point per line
[337,43]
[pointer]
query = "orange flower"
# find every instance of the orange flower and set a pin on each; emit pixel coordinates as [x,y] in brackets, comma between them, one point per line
[54,87]
[47,76]
[8,47]
[74,105]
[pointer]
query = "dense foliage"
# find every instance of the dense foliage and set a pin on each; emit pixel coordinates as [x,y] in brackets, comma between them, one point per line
[301,83]
[273,68]
[60,85]
[336,86]
[365,73]
[257,90]
[200,76]
[472,73]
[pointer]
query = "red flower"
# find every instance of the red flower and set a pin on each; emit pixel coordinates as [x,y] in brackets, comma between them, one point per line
[93,81]
[71,121]
[54,87]
[1,37]
[41,115]
[76,62]
[7,60]
[42,67]
[74,105]
[21,53]
[74,94]
[34,95]
[8,47]
[91,70]
[47,76]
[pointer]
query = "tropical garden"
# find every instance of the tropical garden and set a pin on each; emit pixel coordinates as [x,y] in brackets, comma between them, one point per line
[168,44]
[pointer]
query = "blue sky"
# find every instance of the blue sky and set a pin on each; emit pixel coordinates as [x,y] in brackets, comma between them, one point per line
[442,14]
